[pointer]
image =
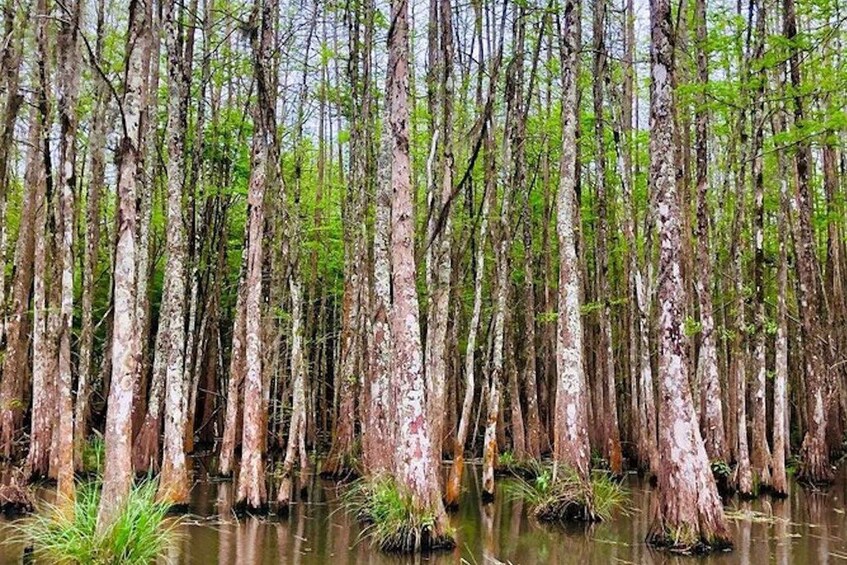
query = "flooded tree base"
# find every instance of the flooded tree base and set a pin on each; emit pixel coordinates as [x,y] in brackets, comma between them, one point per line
[687,542]
[244,509]
[412,540]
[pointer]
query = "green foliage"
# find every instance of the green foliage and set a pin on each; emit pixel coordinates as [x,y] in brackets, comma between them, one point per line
[510,464]
[67,533]
[792,466]
[93,454]
[395,521]
[692,327]
[560,495]
[721,468]
[598,461]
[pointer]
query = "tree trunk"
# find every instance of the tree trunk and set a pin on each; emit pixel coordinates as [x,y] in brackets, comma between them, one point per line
[15,362]
[117,473]
[237,370]
[611,431]
[711,408]
[68,79]
[570,432]
[815,467]
[781,408]
[415,468]
[97,172]
[44,342]
[439,238]
[173,480]
[690,514]
[378,436]
[252,491]
[760,454]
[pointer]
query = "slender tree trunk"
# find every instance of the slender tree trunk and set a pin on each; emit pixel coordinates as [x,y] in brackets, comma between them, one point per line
[68,78]
[10,63]
[237,370]
[44,342]
[252,491]
[439,240]
[147,408]
[378,437]
[173,480]
[97,172]
[18,330]
[415,467]
[147,181]
[815,467]
[611,431]
[690,513]
[781,408]
[117,472]
[570,432]
[760,454]
[711,409]
[341,458]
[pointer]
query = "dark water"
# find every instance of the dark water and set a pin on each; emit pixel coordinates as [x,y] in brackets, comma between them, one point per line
[808,527]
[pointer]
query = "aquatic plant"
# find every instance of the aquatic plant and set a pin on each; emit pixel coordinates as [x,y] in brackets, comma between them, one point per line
[394,522]
[561,495]
[67,533]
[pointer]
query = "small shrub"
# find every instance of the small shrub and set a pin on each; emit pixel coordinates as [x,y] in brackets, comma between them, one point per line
[67,533]
[563,496]
[721,468]
[393,522]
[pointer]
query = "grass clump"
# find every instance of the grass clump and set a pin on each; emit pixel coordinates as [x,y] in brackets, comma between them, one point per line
[67,533]
[93,455]
[561,495]
[510,464]
[393,521]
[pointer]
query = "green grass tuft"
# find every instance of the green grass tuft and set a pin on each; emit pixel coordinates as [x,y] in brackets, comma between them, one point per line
[510,464]
[93,455]
[563,496]
[393,521]
[68,533]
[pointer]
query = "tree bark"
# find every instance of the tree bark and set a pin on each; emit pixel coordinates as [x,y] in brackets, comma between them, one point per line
[415,468]
[815,467]
[570,432]
[68,79]
[117,472]
[690,513]
[173,480]
[97,180]
[611,431]
[252,491]
[711,408]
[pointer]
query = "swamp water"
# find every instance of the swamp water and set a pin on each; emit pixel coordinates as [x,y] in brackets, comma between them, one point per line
[808,527]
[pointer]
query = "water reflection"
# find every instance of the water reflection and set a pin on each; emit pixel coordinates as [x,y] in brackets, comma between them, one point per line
[808,527]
